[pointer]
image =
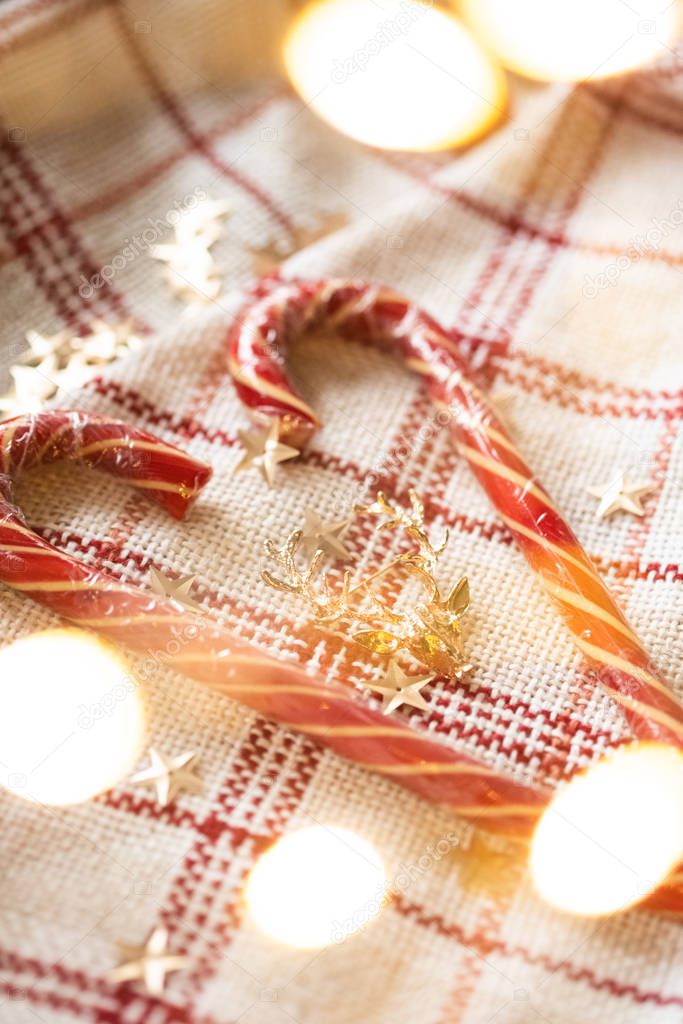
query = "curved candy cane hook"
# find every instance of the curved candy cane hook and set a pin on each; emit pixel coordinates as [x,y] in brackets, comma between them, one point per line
[282,309]
[202,648]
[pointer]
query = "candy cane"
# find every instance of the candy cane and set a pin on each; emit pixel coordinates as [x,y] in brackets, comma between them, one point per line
[337,715]
[279,310]
[207,652]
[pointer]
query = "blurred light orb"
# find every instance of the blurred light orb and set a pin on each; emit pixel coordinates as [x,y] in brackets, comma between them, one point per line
[71,717]
[316,886]
[571,40]
[400,74]
[614,833]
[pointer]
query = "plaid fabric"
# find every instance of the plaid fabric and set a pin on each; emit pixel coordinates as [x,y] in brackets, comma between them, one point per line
[539,247]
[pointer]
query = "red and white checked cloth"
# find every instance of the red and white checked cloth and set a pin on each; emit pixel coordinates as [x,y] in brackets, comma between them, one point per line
[520,244]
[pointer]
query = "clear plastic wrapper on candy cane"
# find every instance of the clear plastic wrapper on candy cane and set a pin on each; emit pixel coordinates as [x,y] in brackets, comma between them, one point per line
[337,715]
[280,309]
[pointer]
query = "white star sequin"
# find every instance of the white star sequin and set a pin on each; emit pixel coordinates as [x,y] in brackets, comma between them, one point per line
[621,494]
[169,776]
[149,963]
[397,689]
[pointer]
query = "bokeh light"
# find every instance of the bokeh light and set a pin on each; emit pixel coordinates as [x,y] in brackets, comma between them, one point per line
[614,833]
[400,75]
[570,40]
[315,887]
[71,717]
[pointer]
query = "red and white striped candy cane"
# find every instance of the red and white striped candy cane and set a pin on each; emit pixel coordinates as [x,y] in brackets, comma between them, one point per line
[280,310]
[337,715]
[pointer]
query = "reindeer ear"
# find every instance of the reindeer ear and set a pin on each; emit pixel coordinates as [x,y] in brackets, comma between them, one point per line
[458,601]
[377,640]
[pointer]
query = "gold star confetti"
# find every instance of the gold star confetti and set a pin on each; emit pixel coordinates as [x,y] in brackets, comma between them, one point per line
[318,535]
[149,963]
[191,271]
[397,689]
[75,374]
[264,450]
[42,345]
[202,223]
[178,589]
[621,494]
[106,342]
[64,361]
[169,775]
[33,386]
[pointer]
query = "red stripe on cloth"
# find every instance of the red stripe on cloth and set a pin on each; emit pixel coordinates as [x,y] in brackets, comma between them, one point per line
[199,144]
[553,156]
[129,188]
[31,996]
[639,111]
[132,401]
[555,392]
[45,253]
[486,946]
[208,858]
[482,208]
[110,1008]
[580,381]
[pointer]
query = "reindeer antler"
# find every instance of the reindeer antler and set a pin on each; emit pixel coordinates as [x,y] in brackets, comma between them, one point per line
[326,607]
[413,524]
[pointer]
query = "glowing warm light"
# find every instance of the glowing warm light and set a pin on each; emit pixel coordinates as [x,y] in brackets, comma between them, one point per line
[399,75]
[315,887]
[614,833]
[71,717]
[570,40]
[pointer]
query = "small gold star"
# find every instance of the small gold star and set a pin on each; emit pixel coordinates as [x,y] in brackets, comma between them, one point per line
[191,271]
[169,775]
[177,589]
[621,494]
[106,342]
[75,373]
[150,963]
[397,689]
[264,450]
[318,535]
[202,222]
[33,386]
[42,345]
[63,361]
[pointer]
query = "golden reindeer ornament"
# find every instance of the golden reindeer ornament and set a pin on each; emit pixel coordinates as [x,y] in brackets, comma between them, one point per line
[430,631]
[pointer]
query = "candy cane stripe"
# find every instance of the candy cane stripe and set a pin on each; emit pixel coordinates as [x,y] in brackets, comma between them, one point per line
[354,309]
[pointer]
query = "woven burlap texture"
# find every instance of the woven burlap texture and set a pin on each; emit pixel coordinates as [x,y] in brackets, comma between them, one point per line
[519,244]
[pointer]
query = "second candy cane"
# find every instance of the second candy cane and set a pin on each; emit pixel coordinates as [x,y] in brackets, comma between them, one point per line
[280,310]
